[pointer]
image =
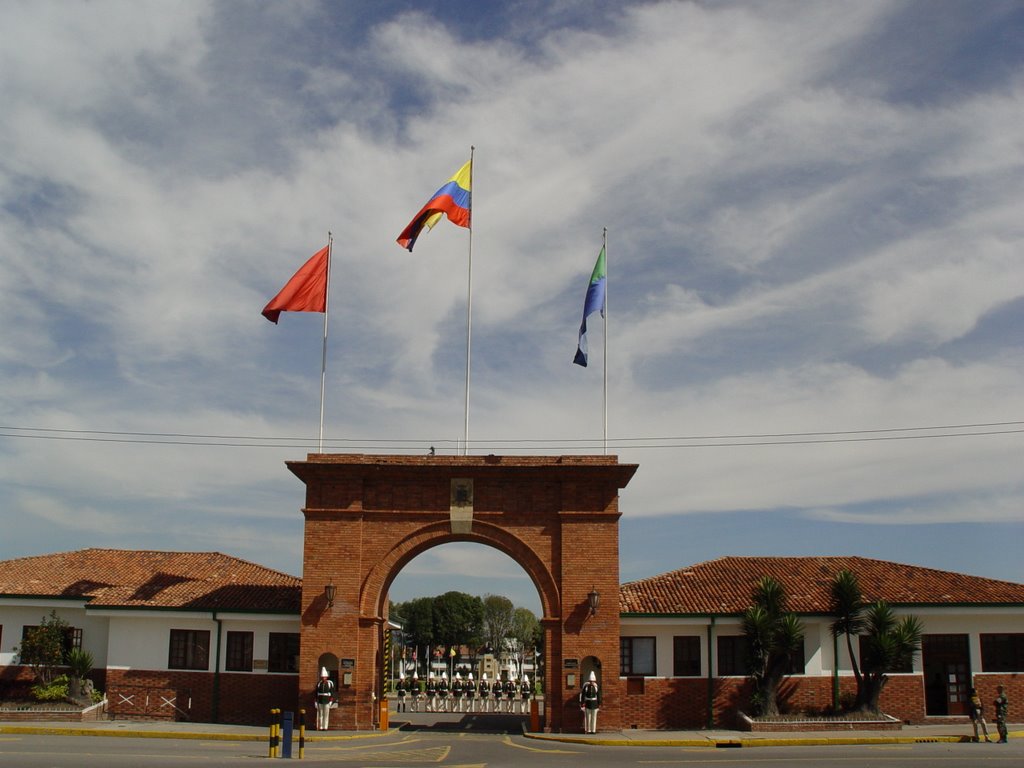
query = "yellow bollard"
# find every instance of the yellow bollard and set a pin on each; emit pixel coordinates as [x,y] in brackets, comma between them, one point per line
[302,733]
[273,731]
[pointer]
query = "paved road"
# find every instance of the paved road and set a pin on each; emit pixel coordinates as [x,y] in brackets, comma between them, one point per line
[484,750]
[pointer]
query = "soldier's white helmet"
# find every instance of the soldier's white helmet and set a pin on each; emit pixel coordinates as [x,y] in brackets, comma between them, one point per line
[458,676]
[401,676]
[526,679]
[484,677]
[444,675]
[471,676]
[323,672]
[592,678]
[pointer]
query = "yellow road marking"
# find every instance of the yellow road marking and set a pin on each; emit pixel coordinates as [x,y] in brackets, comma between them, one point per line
[508,741]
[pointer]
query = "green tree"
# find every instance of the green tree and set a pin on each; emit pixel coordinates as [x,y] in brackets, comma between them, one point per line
[773,636]
[889,643]
[458,619]
[498,615]
[417,617]
[524,634]
[43,647]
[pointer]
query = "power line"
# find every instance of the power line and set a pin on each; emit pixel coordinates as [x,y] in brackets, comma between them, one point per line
[987,429]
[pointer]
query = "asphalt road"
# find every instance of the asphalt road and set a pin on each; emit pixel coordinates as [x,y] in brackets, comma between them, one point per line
[483,750]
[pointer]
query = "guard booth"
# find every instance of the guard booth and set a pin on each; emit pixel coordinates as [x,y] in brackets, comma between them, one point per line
[367,516]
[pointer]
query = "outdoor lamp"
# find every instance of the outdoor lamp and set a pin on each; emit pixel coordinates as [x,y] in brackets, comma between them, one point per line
[329,592]
[594,597]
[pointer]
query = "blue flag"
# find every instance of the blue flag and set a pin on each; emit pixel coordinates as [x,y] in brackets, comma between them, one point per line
[593,303]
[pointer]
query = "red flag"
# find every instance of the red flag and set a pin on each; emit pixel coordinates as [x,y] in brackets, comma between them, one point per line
[305,292]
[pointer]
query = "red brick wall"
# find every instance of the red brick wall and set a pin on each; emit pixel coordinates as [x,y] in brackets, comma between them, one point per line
[367,516]
[178,695]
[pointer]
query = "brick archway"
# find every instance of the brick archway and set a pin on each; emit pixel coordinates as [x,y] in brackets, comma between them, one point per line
[367,516]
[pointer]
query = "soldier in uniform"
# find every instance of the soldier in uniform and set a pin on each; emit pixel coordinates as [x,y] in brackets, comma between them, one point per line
[1002,712]
[417,694]
[590,702]
[525,690]
[510,692]
[496,689]
[325,693]
[470,694]
[442,692]
[485,691]
[431,693]
[401,690]
[457,693]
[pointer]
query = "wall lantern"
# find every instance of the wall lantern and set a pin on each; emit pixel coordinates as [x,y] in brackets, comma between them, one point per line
[594,598]
[329,591]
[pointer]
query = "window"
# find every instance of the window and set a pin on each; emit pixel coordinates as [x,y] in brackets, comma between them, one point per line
[686,656]
[1002,653]
[190,649]
[796,660]
[72,637]
[907,667]
[284,652]
[732,655]
[239,652]
[636,656]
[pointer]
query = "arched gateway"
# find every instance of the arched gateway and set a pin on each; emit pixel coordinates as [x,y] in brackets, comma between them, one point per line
[367,516]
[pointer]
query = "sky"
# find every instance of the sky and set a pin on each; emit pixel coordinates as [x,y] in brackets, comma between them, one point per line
[814,237]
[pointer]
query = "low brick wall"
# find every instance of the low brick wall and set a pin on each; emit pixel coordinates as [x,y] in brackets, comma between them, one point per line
[89,714]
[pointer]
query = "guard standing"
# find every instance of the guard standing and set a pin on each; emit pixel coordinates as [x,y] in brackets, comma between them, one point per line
[401,689]
[590,703]
[431,693]
[417,694]
[470,691]
[485,691]
[325,693]
[442,692]
[510,692]
[457,693]
[496,693]
[524,695]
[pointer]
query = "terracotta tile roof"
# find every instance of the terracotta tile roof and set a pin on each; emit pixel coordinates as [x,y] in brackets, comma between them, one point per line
[724,586]
[139,579]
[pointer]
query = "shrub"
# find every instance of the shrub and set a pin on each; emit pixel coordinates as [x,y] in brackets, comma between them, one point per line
[55,690]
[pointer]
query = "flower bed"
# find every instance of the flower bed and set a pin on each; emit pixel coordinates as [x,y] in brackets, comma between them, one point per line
[791,723]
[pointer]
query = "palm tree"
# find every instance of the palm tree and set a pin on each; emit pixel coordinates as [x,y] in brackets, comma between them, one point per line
[889,644]
[773,636]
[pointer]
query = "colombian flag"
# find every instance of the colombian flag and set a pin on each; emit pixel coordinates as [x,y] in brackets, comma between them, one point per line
[453,199]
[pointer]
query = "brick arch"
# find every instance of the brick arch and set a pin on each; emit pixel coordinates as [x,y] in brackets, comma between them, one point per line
[367,516]
[379,579]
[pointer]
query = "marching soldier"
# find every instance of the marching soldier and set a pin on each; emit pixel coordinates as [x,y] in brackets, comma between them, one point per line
[431,693]
[457,693]
[496,689]
[442,692]
[524,694]
[470,694]
[325,693]
[417,694]
[590,702]
[485,690]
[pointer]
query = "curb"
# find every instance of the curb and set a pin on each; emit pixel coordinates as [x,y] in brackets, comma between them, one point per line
[43,730]
[799,741]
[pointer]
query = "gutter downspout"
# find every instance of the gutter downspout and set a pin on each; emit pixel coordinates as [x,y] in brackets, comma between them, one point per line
[711,680]
[215,712]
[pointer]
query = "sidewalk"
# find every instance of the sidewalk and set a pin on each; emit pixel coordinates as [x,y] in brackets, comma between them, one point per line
[698,738]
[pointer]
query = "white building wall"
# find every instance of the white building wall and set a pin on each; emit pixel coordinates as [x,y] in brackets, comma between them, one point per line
[16,614]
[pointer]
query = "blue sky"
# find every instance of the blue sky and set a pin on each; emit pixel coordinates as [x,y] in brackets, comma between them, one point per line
[814,226]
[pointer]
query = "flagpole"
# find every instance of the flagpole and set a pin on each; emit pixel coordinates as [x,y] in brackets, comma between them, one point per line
[604,247]
[323,357]
[469,304]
